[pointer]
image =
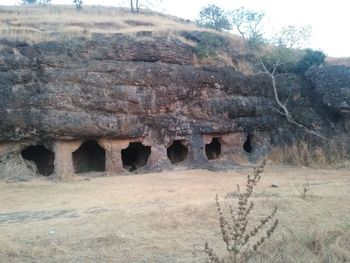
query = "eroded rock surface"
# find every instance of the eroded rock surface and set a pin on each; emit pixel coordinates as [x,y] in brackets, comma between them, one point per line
[108,89]
[332,84]
[118,90]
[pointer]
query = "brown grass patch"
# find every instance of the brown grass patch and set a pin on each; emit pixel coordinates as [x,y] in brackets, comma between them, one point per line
[35,24]
[19,22]
[333,153]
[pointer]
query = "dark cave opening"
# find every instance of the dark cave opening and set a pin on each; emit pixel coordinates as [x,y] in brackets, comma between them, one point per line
[213,149]
[177,152]
[42,157]
[89,157]
[135,156]
[247,146]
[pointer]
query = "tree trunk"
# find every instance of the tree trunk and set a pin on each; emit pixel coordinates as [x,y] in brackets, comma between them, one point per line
[132,6]
[137,6]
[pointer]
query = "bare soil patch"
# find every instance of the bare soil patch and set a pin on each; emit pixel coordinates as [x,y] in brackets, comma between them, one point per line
[167,217]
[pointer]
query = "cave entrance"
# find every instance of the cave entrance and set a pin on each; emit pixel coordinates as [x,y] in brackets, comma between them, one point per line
[213,149]
[89,157]
[42,157]
[177,152]
[247,146]
[135,156]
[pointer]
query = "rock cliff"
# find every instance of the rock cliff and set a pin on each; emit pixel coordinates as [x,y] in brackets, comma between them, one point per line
[119,104]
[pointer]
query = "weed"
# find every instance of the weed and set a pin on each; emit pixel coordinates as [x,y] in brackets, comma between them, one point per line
[304,189]
[240,242]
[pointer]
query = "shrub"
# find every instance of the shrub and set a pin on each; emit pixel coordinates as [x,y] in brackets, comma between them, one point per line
[29,2]
[311,58]
[78,4]
[213,17]
[240,242]
[209,45]
[281,54]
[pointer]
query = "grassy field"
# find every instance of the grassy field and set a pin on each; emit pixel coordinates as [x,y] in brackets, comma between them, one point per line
[167,217]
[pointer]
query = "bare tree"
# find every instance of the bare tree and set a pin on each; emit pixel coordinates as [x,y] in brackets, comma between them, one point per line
[135,5]
[29,2]
[283,110]
[293,36]
[132,6]
[45,2]
[248,24]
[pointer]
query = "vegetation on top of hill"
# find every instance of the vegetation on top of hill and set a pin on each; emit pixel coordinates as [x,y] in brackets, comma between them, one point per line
[213,17]
[32,2]
[36,23]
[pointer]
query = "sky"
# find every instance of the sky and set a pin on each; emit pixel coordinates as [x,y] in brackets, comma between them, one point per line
[329,19]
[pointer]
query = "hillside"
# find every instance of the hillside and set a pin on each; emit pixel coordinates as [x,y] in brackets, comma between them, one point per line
[35,24]
[91,101]
[106,90]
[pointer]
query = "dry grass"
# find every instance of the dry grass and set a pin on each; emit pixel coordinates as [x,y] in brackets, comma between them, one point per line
[36,23]
[332,153]
[326,246]
[167,217]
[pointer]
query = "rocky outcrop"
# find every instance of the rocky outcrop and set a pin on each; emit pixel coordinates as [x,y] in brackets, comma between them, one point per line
[332,84]
[129,104]
[53,91]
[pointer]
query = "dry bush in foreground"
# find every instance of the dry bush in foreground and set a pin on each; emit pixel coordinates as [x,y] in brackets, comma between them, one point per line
[241,240]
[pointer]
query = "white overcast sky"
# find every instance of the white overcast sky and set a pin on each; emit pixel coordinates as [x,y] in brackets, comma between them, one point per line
[330,19]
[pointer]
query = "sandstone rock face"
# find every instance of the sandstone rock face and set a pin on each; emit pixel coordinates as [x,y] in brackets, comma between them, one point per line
[332,84]
[129,95]
[107,89]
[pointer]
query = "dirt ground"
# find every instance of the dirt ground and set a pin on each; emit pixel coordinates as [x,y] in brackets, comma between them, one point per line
[167,217]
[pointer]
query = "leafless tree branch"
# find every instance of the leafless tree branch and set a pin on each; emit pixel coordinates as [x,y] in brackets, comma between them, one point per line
[283,108]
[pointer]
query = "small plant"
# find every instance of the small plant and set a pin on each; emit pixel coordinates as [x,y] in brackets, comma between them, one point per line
[240,240]
[304,189]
